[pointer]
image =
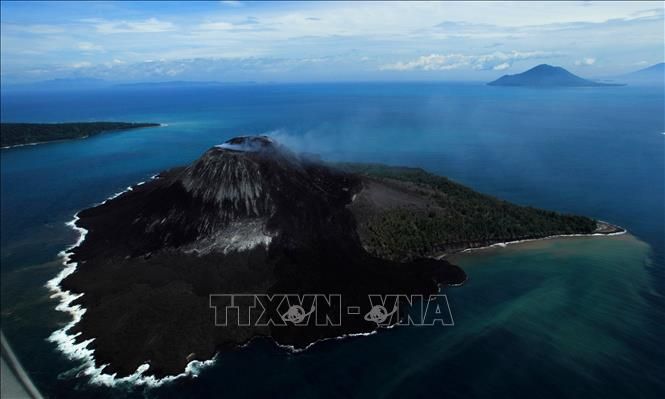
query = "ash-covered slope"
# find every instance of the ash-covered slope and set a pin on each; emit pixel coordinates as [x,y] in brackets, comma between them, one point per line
[267,185]
[407,213]
[249,216]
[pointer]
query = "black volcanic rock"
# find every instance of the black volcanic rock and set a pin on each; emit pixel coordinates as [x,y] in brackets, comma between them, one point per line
[247,217]
[546,76]
[251,217]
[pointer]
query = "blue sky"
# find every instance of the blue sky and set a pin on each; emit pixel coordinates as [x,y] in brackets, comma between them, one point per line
[323,41]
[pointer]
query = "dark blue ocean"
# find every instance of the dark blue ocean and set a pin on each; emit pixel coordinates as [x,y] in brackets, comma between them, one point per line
[578,317]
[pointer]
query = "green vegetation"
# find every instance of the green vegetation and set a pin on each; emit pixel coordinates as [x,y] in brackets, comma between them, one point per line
[445,216]
[27,133]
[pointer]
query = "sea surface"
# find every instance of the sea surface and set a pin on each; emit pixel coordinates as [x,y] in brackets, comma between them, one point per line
[565,318]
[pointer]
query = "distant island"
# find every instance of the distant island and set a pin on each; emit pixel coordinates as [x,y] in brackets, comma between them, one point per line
[250,216]
[17,134]
[87,84]
[547,76]
[179,83]
[655,74]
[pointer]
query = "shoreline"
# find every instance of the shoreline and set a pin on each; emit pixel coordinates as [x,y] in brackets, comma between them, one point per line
[66,343]
[9,147]
[621,231]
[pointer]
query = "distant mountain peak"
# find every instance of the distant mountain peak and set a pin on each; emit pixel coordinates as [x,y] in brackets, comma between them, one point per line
[545,67]
[545,75]
[654,74]
[655,67]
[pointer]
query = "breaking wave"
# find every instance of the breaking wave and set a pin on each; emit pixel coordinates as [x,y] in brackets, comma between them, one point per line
[66,341]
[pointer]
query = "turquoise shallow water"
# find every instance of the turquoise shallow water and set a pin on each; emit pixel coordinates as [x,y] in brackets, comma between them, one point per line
[559,318]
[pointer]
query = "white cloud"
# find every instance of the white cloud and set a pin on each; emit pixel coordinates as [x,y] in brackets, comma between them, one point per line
[34,29]
[232,3]
[244,25]
[587,61]
[441,62]
[217,26]
[82,64]
[501,67]
[187,68]
[113,63]
[363,37]
[432,62]
[87,46]
[654,13]
[142,26]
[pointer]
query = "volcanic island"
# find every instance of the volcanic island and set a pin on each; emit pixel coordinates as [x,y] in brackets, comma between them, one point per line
[251,216]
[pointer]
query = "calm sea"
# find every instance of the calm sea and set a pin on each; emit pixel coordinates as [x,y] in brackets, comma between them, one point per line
[559,318]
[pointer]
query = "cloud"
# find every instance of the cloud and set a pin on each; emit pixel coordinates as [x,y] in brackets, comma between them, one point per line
[232,3]
[432,62]
[410,36]
[249,23]
[82,64]
[150,25]
[652,14]
[574,21]
[464,26]
[587,61]
[188,69]
[217,26]
[501,67]
[34,29]
[441,62]
[87,46]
